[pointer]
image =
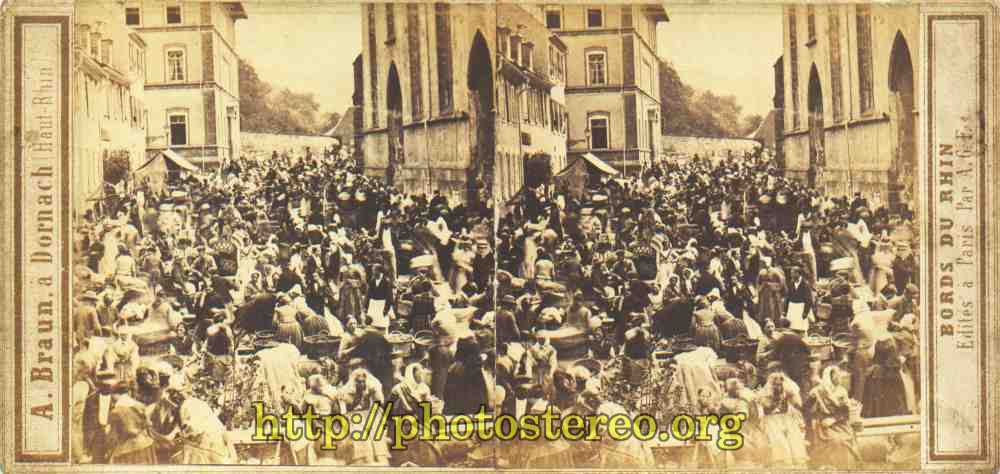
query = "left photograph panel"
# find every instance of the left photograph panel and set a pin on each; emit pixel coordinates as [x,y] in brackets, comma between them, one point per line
[278,225]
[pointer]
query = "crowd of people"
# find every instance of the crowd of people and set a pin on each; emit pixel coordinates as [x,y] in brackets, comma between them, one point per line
[296,281]
[709,286]
[702,286]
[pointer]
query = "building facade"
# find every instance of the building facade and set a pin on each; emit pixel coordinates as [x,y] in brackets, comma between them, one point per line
[192,76]
[424,91]
[778,100]
[109,110]
[530,97]
[849,99]
[612,81]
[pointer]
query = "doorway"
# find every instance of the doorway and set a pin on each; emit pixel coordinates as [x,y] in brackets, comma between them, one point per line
[904,160]
[817,150]
[394,103]
[481,122]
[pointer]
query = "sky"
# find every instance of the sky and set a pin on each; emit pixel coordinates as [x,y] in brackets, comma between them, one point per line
[304,46]
[728,49]
[309,45]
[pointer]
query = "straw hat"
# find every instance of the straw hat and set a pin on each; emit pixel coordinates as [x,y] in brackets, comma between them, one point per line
[422,261]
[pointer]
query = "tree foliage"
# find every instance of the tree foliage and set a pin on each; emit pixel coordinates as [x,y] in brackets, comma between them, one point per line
[329,120]
[686,111]
[750,123]
[268,110]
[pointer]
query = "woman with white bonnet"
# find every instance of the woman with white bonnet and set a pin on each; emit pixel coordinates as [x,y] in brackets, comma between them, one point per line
[832,442]
[203,436]
[413,390]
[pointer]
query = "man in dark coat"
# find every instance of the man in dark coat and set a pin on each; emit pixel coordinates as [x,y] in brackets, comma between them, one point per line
[466,390]
[97,414]
[507,329]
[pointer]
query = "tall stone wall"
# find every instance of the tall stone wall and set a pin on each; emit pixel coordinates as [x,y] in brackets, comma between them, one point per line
[705,146]
[260,145]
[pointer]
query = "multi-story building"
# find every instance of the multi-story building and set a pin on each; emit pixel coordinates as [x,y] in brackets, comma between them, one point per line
[192,76]
[849,98]
[109,112]
[612,85]
[447,106]
[531,104]
[778,100]
[426,83]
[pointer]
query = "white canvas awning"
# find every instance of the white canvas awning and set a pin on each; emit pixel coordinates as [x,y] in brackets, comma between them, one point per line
[599,164]
[179,160]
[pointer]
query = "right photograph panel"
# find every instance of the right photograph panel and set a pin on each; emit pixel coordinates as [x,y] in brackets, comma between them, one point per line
[707,235]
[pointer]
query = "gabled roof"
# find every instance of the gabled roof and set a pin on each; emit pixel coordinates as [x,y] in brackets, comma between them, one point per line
[344,129]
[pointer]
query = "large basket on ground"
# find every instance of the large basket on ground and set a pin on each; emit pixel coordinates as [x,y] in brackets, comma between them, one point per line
[401,343]
[321,345]
[739,348]
[819,347]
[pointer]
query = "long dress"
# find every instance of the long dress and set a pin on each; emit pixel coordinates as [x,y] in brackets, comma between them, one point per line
[886,390]
[771,294]
[288,326]
[704,330]
[833,441]
[783,424]
[755,446]
[205,441]
[129,439]
[881,269]
[461,269]
[352,298]
[359,399]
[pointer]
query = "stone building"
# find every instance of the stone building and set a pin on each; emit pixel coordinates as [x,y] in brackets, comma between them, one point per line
[531,104]
[849,88]
[612,85]
[109,110]
[192,76]
[425,91]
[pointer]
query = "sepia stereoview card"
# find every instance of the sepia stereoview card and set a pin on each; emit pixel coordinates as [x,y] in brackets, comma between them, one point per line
[683,236]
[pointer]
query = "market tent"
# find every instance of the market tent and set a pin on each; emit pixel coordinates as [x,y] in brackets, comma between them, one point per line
[574,177]
[599,164]
[156,170]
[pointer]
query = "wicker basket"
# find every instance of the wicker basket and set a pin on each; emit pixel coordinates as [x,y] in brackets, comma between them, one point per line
[820,347]
[401,343]
[738,349]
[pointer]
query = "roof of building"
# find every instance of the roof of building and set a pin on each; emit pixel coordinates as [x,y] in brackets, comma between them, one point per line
[765,131]
[344,129]
[236,10]
[656,12]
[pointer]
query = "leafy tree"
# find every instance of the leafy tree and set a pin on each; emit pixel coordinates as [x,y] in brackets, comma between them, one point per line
[751,123]
[688,112]
[329,120]
[265,109]
[254,109]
